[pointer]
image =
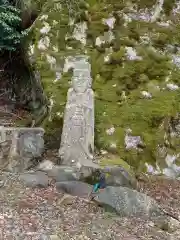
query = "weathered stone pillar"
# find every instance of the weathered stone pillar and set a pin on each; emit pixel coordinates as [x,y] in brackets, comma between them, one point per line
[77,140]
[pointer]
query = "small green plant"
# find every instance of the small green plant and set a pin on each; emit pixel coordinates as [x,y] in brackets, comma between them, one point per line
[10,26]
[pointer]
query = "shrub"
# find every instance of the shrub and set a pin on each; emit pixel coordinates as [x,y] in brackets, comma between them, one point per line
[10,26]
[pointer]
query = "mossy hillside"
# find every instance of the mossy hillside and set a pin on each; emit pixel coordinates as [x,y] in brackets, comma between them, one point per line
[55,90]
[115,76]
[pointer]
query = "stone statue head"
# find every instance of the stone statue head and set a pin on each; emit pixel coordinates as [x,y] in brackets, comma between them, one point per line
[81,79]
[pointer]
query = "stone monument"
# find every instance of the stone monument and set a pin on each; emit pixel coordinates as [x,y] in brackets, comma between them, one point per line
[19,146]
[77,140]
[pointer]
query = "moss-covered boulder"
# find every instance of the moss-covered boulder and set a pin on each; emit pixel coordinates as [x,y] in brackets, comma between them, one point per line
[133,49]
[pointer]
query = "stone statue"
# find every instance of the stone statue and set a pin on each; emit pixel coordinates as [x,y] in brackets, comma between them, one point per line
[77,140]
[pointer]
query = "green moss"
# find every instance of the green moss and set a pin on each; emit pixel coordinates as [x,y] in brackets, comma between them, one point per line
[168,6]
[53,132]
[144,3]
[143,116]
[115,161]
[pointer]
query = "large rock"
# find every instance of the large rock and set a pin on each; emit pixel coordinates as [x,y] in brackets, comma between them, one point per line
[130,46]
[19,146]
[129,203]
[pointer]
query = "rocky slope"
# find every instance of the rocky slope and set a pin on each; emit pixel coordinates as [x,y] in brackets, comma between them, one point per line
[133,47]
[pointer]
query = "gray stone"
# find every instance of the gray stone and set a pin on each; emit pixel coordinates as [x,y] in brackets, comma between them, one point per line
[19,146]
[118,176]
[77,140]
[35,179]
[74,188]
[128,202]
[61,175]
[31,143]
[132,142]
[66,173]
[86,172]
[115,176]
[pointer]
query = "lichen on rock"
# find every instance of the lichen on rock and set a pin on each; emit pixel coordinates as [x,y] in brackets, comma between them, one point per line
[136,83]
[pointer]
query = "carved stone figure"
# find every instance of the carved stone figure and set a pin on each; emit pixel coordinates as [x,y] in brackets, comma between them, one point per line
[77,140]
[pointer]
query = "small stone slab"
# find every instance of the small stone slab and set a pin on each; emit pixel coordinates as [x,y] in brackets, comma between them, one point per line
[74,188]
[60,175]
[36,179]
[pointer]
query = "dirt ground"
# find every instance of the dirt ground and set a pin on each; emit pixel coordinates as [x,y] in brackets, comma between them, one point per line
[27,213]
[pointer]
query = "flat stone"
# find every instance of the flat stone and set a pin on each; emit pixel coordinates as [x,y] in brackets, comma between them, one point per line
[36,179]
[74,188]
[60,174]
[128,202]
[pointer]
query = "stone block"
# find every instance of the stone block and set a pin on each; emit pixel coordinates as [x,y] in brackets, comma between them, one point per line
[18,146]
